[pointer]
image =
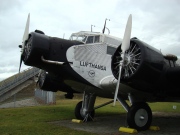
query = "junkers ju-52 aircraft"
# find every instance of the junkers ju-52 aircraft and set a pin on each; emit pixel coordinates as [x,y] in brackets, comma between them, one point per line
[101,65]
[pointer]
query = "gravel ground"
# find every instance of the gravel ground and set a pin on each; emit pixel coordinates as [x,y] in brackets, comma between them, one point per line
[168,122]
[22,103]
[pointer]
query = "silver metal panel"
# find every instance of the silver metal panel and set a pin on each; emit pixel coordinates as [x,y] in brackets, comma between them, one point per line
[91,62]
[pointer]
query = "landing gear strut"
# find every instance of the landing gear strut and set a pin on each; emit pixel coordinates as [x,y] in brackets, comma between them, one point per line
[85,109]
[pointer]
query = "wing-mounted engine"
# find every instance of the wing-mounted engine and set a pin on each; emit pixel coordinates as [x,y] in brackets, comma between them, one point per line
[48,83]
[143,65]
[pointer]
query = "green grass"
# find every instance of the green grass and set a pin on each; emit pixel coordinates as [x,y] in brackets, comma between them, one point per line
[165,107]
[34,120]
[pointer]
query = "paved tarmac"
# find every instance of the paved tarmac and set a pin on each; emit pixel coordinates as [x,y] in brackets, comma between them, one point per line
[169,124]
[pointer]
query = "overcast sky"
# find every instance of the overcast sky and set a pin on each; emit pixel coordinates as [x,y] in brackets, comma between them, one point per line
[157,22]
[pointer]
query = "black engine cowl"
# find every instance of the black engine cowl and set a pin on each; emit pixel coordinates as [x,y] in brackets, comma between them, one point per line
[143,65]
[37,45]
[48,82]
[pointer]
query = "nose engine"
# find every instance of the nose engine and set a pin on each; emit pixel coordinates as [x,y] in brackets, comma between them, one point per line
[41,50]
[36,46]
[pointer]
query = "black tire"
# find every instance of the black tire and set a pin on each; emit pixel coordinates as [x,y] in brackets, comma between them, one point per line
[135,112]
[78,112]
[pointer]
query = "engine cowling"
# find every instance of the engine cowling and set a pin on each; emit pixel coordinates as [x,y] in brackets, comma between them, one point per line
[143,65]
[46,83]
[36,46]
[39,45]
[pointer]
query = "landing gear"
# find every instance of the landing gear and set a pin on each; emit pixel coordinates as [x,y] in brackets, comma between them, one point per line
[80,115]
[85,109]
[139,116]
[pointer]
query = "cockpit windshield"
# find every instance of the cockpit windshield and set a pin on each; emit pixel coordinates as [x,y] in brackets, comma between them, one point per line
[87,39]
[81,38]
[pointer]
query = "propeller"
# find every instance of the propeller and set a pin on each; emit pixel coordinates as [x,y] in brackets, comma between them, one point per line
[124,47]
[25,38]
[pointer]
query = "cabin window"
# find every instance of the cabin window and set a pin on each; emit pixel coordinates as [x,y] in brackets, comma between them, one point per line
[111,50]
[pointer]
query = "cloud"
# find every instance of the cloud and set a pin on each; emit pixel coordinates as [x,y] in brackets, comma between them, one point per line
[7,6]
[156,23]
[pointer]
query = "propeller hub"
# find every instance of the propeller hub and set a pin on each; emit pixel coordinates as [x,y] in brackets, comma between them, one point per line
[127,59]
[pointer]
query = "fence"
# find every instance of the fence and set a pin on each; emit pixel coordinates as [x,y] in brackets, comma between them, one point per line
[17,79]
[29,97]
[21,99]
[46,97]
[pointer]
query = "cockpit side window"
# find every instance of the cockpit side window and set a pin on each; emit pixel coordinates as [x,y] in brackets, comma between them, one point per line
[96,40]
[90,39]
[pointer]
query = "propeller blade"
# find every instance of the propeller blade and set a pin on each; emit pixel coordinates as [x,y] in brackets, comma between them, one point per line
[127,34]
[20,64]
[26,31]
[25,37]
[124,47]
[117,86]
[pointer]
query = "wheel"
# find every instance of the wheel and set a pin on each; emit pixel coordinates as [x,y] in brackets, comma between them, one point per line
[139,116]
[78,113]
